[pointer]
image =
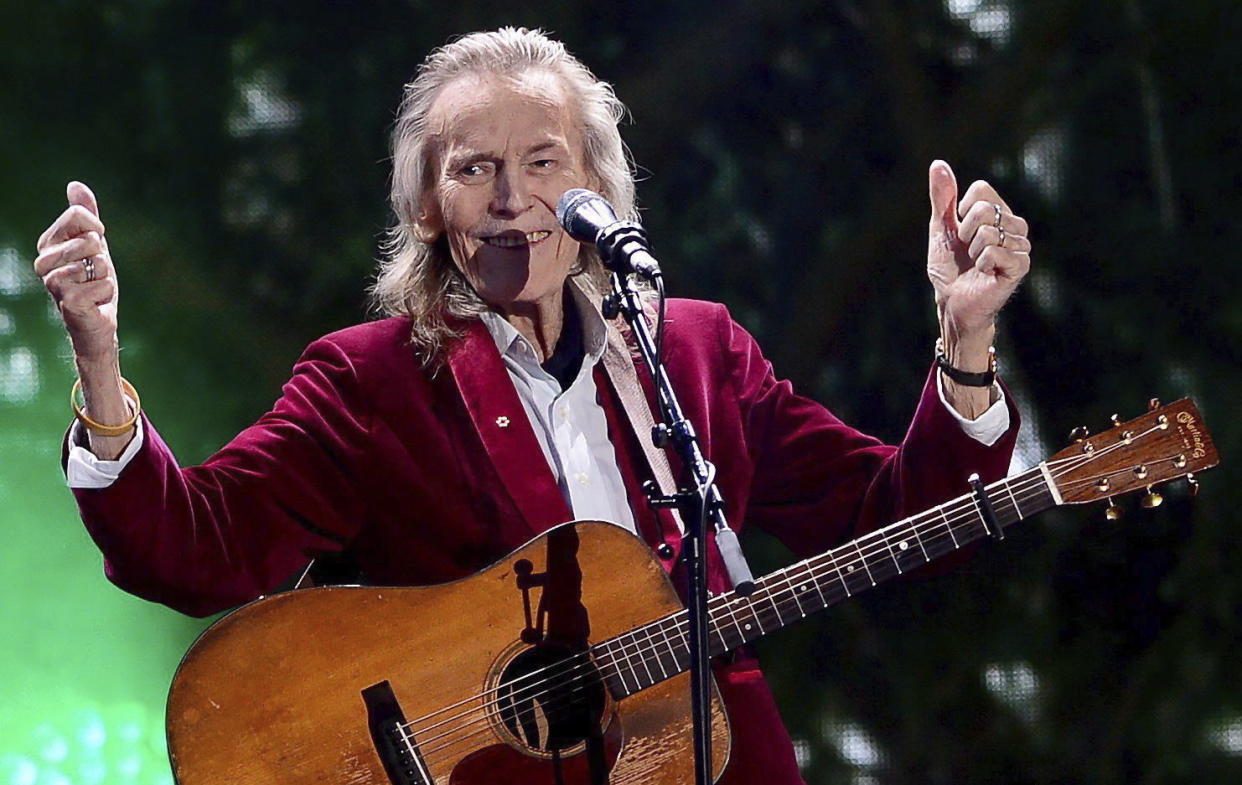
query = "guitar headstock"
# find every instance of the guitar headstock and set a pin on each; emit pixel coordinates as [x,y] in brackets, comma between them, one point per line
[1166,443]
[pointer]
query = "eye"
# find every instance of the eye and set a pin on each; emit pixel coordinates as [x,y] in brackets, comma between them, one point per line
[544,163]
[475,172]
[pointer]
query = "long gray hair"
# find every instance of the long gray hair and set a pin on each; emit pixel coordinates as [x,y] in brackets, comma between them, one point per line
[417,277]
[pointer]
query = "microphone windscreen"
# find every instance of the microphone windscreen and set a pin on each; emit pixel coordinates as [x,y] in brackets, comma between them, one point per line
[583,214]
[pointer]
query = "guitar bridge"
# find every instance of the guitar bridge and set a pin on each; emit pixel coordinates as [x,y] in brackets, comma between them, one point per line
[394,741]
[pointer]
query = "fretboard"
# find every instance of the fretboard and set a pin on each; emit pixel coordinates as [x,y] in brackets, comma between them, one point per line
[656,651]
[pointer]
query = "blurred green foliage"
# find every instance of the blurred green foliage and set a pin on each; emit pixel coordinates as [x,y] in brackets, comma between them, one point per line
[239,153]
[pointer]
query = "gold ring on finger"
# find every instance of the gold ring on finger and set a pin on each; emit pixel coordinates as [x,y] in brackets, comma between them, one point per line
[88,267]
[1001,241]
[997,209]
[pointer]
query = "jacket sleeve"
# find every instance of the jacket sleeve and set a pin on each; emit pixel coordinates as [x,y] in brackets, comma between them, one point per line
[818,482]
[206,538]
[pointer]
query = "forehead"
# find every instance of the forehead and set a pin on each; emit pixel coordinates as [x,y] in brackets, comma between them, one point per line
[487,111]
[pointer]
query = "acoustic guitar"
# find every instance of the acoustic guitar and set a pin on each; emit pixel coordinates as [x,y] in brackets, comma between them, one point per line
[566,661]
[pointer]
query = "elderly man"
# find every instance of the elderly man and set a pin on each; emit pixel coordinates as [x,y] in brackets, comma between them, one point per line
[480,413]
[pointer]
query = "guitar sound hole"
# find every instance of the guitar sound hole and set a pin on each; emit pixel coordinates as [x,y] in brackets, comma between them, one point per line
[549,699]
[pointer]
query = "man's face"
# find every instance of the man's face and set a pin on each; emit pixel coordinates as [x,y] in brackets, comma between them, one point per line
[505,151]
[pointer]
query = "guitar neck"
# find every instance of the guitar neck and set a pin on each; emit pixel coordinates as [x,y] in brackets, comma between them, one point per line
[659,650]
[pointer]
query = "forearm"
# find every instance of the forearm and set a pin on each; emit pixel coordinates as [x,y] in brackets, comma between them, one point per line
[105,401]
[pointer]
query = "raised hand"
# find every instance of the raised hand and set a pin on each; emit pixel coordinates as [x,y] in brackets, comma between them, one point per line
[977,253]
[77,270]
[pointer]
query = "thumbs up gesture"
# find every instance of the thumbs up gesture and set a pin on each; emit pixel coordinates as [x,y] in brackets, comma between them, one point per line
[77,271]
[977,253]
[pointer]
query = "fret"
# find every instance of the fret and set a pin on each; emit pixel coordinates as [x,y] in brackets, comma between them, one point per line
[840,575]
[655,648]
[891,554]
[949,526]
[748,629]
[974,503]
[863,559]
[677,645]
[642,658]
[776,608]
[1008,487]
[918,538]
[741,634]
[793,592]
[712,626]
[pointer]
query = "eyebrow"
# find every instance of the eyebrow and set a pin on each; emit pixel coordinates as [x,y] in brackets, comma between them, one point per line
[469,156]
[548,145]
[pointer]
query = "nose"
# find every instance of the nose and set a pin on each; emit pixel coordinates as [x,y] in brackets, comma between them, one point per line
[511,197]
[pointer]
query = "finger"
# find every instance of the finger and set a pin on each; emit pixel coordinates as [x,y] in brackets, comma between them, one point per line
[981,191]
[984,214]
[84,300]
[75,220]
[942,189]
[80,247]
[1003,263]
[79,193]
[989,236]
[61,280]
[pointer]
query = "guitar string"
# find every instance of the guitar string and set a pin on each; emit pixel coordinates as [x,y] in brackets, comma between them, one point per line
[1080,458]
[872,535]
[1036,481]
[644,646]
[782,602]
[727,609]
[568,699]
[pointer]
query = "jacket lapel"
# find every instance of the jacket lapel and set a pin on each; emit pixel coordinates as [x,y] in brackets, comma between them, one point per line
[504,428]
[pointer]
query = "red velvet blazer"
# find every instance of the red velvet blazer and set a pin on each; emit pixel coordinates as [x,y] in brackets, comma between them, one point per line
[426,478]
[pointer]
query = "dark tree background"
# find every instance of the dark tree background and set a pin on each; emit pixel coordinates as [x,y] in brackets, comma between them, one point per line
[239,153]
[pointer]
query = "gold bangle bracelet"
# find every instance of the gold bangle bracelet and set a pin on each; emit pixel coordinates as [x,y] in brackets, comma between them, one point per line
[105,430]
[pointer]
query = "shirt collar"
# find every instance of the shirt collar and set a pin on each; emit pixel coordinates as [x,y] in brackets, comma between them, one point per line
[594,329]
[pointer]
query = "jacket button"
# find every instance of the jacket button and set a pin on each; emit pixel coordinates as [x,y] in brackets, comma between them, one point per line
[665,551]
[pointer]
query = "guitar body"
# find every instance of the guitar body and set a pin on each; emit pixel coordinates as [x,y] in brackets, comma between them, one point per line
[293,689]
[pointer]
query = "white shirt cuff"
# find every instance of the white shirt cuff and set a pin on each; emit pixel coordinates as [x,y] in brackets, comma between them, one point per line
[988,427]
[85,470]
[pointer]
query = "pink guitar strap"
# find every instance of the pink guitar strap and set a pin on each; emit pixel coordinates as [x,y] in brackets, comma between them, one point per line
[619,365]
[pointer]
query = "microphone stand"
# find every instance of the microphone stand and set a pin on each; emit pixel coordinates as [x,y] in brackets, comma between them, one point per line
[697,499]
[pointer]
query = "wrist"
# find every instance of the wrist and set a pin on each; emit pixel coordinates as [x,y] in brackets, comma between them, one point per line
[968,350]
[104,360]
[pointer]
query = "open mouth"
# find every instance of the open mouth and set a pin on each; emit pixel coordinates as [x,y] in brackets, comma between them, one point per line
[516,239]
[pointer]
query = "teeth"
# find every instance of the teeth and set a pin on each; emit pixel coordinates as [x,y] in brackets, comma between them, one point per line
[507,241]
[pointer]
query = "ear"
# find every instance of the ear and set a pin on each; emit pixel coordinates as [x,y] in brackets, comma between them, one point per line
[429,223]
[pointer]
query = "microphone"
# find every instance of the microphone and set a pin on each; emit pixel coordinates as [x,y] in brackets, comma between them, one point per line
[588,218]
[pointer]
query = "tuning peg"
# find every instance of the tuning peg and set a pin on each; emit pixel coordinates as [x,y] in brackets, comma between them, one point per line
[1080,433]
[1152,500]
[1153,404]
[1192,485]
[1113,513]
[1116,420]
